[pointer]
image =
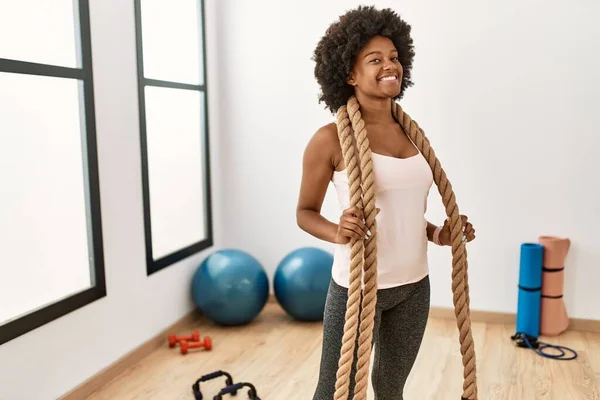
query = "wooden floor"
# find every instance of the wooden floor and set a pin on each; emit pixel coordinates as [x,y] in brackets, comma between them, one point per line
[281,359]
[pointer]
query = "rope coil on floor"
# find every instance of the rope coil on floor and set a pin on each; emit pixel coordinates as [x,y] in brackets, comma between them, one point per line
[532,343]
[363,275]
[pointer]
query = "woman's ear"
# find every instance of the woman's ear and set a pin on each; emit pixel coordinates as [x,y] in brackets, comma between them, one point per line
[351,80]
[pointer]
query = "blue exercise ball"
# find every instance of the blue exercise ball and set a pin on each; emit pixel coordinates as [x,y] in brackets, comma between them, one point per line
[301,283]
[230,287]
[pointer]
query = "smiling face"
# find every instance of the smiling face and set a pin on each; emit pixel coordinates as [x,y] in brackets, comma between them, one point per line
[377,72]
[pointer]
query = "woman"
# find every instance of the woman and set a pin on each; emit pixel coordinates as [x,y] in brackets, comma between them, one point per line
[368,54]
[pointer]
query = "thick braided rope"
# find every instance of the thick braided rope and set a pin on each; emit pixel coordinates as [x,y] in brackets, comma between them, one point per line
[356,257]
[367,316]
[460,286]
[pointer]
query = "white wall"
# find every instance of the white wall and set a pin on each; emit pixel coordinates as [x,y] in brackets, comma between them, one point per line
[57,357]
[517,78]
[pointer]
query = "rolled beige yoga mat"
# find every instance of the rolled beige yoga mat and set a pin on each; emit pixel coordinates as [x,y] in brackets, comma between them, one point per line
[554,319]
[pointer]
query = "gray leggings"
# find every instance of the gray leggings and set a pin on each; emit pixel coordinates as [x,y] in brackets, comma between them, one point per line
[400,320]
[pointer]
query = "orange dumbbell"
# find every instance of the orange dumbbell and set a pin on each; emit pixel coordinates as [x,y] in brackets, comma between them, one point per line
[206,343]
[194,337]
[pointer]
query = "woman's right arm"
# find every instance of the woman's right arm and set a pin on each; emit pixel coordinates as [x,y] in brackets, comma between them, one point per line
[317,169]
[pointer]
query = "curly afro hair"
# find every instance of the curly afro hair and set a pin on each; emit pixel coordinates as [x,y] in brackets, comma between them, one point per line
[336,52]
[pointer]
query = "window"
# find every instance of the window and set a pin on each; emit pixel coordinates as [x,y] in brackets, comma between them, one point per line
[174,130]
[50,229]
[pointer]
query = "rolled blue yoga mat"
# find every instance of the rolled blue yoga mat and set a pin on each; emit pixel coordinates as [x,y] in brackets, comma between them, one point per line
[530,289]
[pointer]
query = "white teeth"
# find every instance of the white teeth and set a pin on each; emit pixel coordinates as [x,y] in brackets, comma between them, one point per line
[388,78]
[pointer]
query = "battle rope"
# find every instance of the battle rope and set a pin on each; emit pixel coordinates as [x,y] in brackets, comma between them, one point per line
[359,194]
[362,196]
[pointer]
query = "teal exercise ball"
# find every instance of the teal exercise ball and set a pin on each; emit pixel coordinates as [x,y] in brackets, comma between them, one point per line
[301,283]
[230,287]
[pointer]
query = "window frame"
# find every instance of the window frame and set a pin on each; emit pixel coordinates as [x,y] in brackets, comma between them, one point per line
[84,74]
[153,266]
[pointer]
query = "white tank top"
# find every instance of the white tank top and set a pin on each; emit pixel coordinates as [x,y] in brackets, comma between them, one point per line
[402,186]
